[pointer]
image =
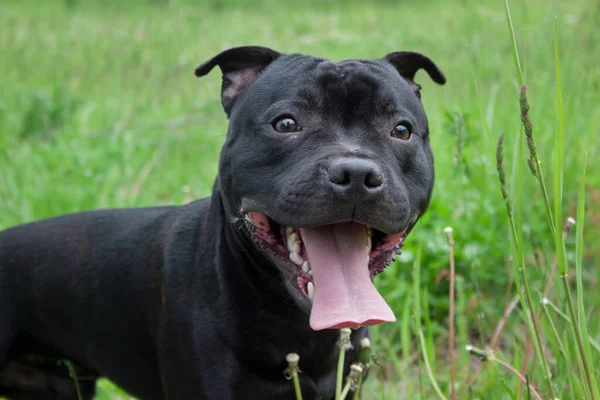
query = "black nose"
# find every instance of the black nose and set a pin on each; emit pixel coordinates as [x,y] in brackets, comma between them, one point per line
[356,177]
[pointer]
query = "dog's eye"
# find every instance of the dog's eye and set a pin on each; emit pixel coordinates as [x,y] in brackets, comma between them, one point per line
[286,125]
[401,131]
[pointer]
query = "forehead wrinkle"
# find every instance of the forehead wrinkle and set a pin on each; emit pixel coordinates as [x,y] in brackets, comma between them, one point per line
[299,82]
[350,87]
[356,89]
[383,80]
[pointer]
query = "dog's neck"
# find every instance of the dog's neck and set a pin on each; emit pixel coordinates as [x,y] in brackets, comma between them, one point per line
[244,281]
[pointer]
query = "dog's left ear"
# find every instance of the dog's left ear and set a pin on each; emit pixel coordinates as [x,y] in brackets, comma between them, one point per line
[240,67]
[408,63]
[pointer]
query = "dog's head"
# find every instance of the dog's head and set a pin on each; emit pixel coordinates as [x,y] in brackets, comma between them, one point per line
[329,165]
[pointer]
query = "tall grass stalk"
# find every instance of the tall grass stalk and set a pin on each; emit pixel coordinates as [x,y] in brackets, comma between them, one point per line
[561,348]
[578,273]
[515,220]
[518,264]
[73,375]
[343,344]
[559,156]
[566,229]
[555,218]
[462,324]
[514,43]
[418,327]
[451,343]
[365,358]
[595,345]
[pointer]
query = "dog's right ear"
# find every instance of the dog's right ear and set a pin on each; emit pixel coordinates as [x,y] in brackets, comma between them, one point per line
[240,67]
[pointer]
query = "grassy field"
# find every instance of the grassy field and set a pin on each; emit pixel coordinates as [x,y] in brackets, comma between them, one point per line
[99,108]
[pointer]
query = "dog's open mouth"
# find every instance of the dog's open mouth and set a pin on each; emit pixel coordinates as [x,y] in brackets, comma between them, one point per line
[333,266]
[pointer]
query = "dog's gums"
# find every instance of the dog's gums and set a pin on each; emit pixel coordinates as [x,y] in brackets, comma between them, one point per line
[293,250]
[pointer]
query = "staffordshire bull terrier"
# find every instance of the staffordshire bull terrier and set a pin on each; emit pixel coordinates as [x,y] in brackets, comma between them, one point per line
[325,169]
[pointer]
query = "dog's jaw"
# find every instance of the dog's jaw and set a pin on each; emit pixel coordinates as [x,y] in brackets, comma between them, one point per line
[329,269]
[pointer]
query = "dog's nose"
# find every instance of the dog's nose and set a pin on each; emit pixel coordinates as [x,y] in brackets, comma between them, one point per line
[355,177]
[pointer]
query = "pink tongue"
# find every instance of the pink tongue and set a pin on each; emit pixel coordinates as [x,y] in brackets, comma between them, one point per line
[344,294]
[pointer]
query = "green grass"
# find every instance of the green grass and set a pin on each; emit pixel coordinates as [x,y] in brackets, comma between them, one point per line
[99,108]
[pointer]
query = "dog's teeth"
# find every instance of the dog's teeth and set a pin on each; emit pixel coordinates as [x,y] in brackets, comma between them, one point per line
[296,258]
[305,267]
[368,243]
[310,288]
[293,244]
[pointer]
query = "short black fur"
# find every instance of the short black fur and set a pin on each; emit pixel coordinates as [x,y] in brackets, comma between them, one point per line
[178,302]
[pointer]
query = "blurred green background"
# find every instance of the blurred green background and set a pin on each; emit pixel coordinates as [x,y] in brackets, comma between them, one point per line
[99,107]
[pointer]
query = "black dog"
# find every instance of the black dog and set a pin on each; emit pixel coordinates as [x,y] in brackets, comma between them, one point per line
[325,169]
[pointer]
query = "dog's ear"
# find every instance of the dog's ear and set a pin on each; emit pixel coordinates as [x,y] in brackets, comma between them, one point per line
[408,63]
[240,67]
